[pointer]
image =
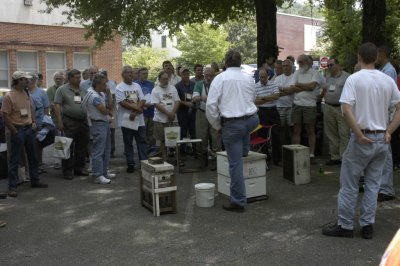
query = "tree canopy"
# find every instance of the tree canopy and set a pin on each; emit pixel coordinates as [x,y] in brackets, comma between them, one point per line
[202,44]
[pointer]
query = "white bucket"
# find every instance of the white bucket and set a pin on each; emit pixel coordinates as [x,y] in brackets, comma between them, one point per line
[205,194]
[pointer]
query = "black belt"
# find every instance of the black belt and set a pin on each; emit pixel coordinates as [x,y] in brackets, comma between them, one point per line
[95,120]
[267,107]
[245,117]
[334,105]
[75,119]
[23,127]
[367,131]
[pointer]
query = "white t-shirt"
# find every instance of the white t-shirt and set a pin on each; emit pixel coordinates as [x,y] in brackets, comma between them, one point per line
[370,92]
[306,98]
[132,93]
[232,94]
[283,81]
[167,98]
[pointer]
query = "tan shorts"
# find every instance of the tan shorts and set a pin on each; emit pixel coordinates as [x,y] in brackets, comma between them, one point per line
[159,129]
[304,114]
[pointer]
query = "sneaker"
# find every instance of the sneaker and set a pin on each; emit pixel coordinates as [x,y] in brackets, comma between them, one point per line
[130,169]
[110,175]
[102,180]
[384,197]
[336,231]
[12,193]
[367,232]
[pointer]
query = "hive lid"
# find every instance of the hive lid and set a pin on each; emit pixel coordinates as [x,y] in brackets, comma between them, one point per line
[252,156]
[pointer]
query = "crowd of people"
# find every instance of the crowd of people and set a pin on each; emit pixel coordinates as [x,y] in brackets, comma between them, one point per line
[219,107]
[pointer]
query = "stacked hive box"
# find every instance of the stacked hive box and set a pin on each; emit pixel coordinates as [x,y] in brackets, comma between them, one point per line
[254,172]
[296,164]
[158,187]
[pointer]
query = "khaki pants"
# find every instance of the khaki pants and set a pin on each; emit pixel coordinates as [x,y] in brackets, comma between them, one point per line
[204,130]
[336,130]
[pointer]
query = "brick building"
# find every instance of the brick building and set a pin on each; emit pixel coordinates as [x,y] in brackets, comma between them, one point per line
[32,41]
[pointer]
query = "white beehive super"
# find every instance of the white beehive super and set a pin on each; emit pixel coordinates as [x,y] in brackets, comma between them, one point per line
[254,172]
[296,164]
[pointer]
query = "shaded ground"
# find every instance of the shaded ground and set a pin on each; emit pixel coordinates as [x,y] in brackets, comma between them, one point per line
[80,223]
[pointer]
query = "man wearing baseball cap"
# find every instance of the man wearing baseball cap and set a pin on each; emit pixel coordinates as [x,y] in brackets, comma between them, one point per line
[20,120]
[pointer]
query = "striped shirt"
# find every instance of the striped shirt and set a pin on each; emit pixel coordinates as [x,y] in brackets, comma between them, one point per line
[267,90]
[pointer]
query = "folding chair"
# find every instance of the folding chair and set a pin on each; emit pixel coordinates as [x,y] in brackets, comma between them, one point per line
[260,143]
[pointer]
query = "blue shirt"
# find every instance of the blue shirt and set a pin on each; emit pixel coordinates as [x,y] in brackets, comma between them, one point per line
[40,102]
[90,102]
[147,87]
[85,85]
[389,70]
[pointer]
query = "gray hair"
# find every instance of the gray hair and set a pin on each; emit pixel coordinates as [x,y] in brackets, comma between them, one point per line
[58,73]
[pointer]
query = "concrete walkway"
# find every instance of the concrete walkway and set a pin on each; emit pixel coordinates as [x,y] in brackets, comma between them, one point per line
[80,223]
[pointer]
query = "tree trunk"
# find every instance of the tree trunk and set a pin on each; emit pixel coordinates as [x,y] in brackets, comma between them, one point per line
[266,30]
[373,21]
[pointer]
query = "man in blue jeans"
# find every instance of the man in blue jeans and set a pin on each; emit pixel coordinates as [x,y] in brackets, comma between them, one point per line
[130,98]
[230,109]
[19,118]
[99,112]
[365,99]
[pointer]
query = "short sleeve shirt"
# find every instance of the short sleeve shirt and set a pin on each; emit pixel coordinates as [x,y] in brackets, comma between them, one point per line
[185,93]
[65,97]
[128,92]
[147,87]
[370,92]
[167,97]
[91,101]
[267,90]
[283,81]
[40,102]
[16,103]
[334,87]
[306,98]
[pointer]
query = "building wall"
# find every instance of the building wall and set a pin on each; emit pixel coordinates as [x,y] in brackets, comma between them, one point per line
[69,40]
[291,35]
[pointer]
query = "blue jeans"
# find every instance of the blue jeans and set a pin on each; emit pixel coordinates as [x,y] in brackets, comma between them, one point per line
[387,176]
[358,157]
[141,143]
[101,147]
[25,137]
[236,138]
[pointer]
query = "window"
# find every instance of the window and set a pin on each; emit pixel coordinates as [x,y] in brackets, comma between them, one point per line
[163,41]
[81,61]
[54,62]
[27,61]
[4,69]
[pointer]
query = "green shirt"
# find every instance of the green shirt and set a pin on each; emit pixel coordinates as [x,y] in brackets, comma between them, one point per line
[51,92]
[65,97]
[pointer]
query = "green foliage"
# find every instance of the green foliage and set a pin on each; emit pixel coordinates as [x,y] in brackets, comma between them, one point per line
[202,44]
[134,19]
[151,58]
[242,35]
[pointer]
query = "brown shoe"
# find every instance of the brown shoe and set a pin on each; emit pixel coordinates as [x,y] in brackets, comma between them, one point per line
[233,207]
[12,193]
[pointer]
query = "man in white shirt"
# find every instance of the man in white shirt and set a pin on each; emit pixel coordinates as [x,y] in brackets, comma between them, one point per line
[230,108]
[285,101]
[366,97]
[304,82]
[129,97]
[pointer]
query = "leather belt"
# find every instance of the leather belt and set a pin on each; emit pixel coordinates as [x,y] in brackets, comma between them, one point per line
[79,120]
[245,117]
[96,120]
[367,131]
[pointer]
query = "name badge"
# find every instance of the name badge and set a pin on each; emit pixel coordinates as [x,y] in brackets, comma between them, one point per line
[24,112]
[188,96]
[332,88]
[77,99]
